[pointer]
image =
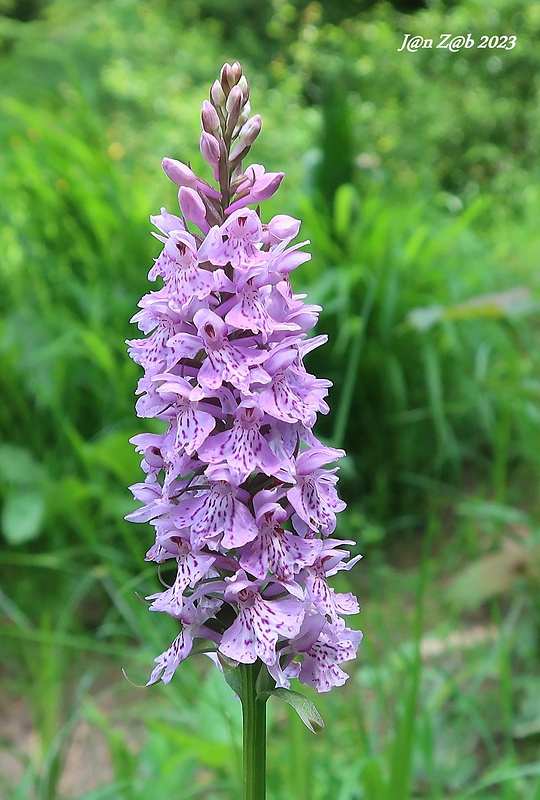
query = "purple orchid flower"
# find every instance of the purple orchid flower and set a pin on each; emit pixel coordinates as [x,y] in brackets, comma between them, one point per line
[237,486]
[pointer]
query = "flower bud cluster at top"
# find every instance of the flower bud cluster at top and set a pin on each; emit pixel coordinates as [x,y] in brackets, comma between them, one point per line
[236,487]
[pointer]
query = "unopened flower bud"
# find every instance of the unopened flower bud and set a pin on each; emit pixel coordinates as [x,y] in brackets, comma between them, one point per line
[227,79]
[210,148]
[234,102]
[217,95]
[251,130]
[252,174]
[243,85]
[237,71]
[179,173]
[267,186]
[281,227]
[209,118]
[244,114]
[192,207]
[247,136]
[263,187]
[210,151]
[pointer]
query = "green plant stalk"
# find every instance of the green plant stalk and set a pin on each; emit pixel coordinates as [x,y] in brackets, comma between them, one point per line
[407,735]
[344,407]
[300,772]
[254,734]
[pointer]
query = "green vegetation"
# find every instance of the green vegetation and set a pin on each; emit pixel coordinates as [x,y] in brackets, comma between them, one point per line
[416,177]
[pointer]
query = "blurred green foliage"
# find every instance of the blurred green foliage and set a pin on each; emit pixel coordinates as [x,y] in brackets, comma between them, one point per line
[416,405]
[462,122]
[393,230]
[416,177]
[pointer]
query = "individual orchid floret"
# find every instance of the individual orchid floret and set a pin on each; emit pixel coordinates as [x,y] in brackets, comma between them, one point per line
[192,567]
[239,492]
[320,665]
[275,550]
[190,425]
[314,497]
[243,447]
[260,623]
[217,516]
[235,242]
[193,627]
[178,264]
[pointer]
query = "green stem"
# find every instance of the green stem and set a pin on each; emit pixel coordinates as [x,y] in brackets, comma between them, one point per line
[254,734]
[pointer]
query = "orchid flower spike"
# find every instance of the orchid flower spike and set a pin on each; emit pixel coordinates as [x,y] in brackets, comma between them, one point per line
[237,487]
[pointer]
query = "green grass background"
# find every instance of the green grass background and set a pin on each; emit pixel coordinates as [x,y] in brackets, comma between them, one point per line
[416,177]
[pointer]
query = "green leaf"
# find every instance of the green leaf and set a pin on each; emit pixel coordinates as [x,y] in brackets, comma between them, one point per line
[493,575]
[422,319]
[18,466]
[22,516]
[264,682]
[114,453]
[233,678]
[489,511]
[303,707]
[344,207]
[498,305]
[206,750]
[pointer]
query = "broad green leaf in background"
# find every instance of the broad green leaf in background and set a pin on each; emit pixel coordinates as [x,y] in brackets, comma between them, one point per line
[489,306]
[23,512]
